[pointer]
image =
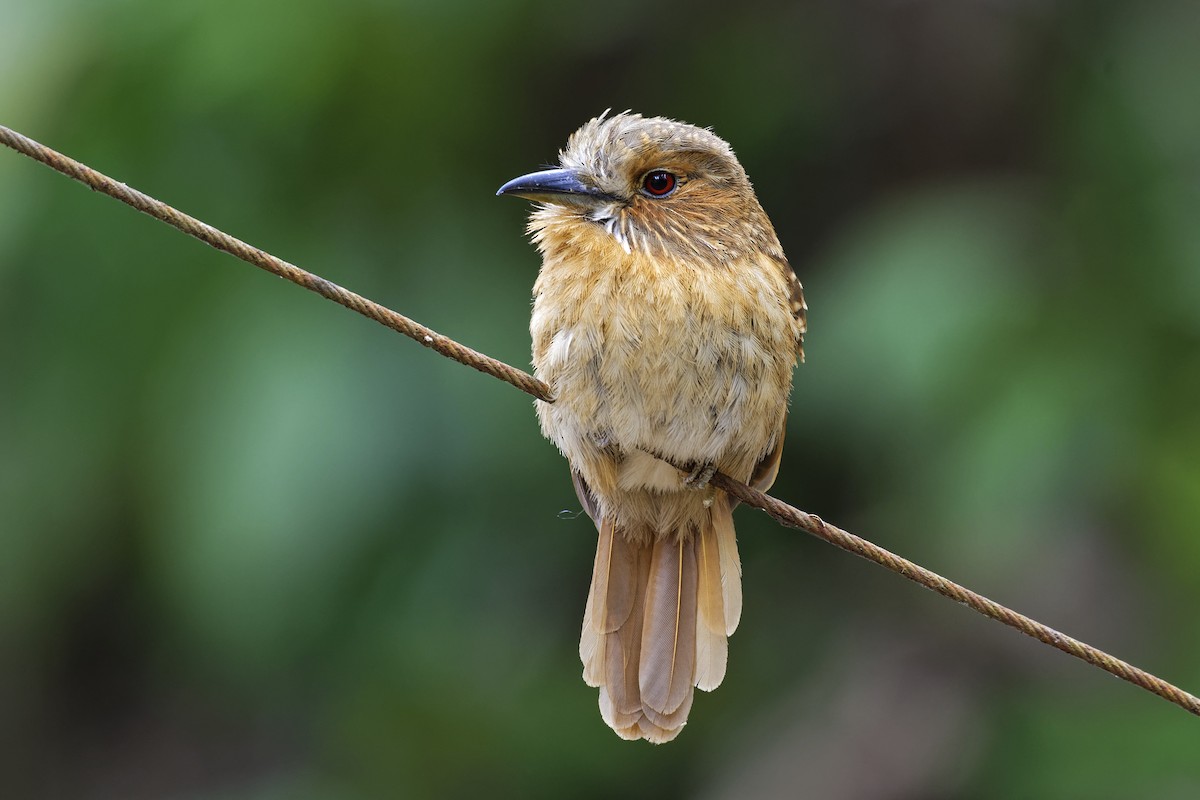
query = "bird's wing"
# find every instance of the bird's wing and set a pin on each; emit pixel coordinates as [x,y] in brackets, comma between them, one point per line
[767,468]
[586,498]
[796,301]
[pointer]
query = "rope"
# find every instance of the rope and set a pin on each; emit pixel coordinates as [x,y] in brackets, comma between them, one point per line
[809,523]
[264,260]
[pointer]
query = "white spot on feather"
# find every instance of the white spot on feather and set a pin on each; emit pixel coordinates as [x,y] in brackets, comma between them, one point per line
[560,348]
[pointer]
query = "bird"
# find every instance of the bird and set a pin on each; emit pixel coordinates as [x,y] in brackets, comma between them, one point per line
[668,323]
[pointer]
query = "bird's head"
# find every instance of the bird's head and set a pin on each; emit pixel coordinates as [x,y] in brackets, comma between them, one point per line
[652,186]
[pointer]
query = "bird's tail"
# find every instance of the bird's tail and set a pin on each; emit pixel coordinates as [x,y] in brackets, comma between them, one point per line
[658,616]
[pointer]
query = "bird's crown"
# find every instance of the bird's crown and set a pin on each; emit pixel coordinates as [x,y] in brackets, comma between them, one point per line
[615,153]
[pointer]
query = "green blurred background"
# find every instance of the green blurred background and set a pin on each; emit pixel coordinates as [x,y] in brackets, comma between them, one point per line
[254,546]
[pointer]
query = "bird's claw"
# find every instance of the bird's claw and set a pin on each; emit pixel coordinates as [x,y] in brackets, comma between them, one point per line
[699,477]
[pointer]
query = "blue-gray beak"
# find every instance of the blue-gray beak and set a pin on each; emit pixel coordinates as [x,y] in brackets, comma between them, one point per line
[555,186]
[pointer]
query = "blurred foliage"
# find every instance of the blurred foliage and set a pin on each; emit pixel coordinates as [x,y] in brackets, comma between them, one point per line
[252,546]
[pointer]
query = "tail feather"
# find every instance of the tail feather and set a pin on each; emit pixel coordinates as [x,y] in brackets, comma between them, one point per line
[591,640]
[712,646]
[617,600]
[626,724]
[611,599]
[623,651]
[668,663]
[656,623]
[731,564]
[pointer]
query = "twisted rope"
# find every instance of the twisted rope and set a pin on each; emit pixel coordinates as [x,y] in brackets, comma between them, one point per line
[810,523]
[778,510]
[264,260]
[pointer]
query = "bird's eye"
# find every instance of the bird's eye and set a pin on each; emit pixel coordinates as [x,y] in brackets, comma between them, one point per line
[658,183]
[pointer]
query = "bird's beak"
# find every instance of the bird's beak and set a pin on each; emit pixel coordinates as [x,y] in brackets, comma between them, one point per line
[561,186]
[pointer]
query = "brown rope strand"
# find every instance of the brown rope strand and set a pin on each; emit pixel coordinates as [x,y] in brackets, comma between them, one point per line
[264,260]
[794,518]
[780,511]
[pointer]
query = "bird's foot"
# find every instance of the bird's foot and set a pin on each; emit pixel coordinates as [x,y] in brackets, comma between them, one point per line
[699,477]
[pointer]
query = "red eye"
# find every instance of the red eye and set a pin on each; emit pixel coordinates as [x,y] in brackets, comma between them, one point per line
[658,183]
